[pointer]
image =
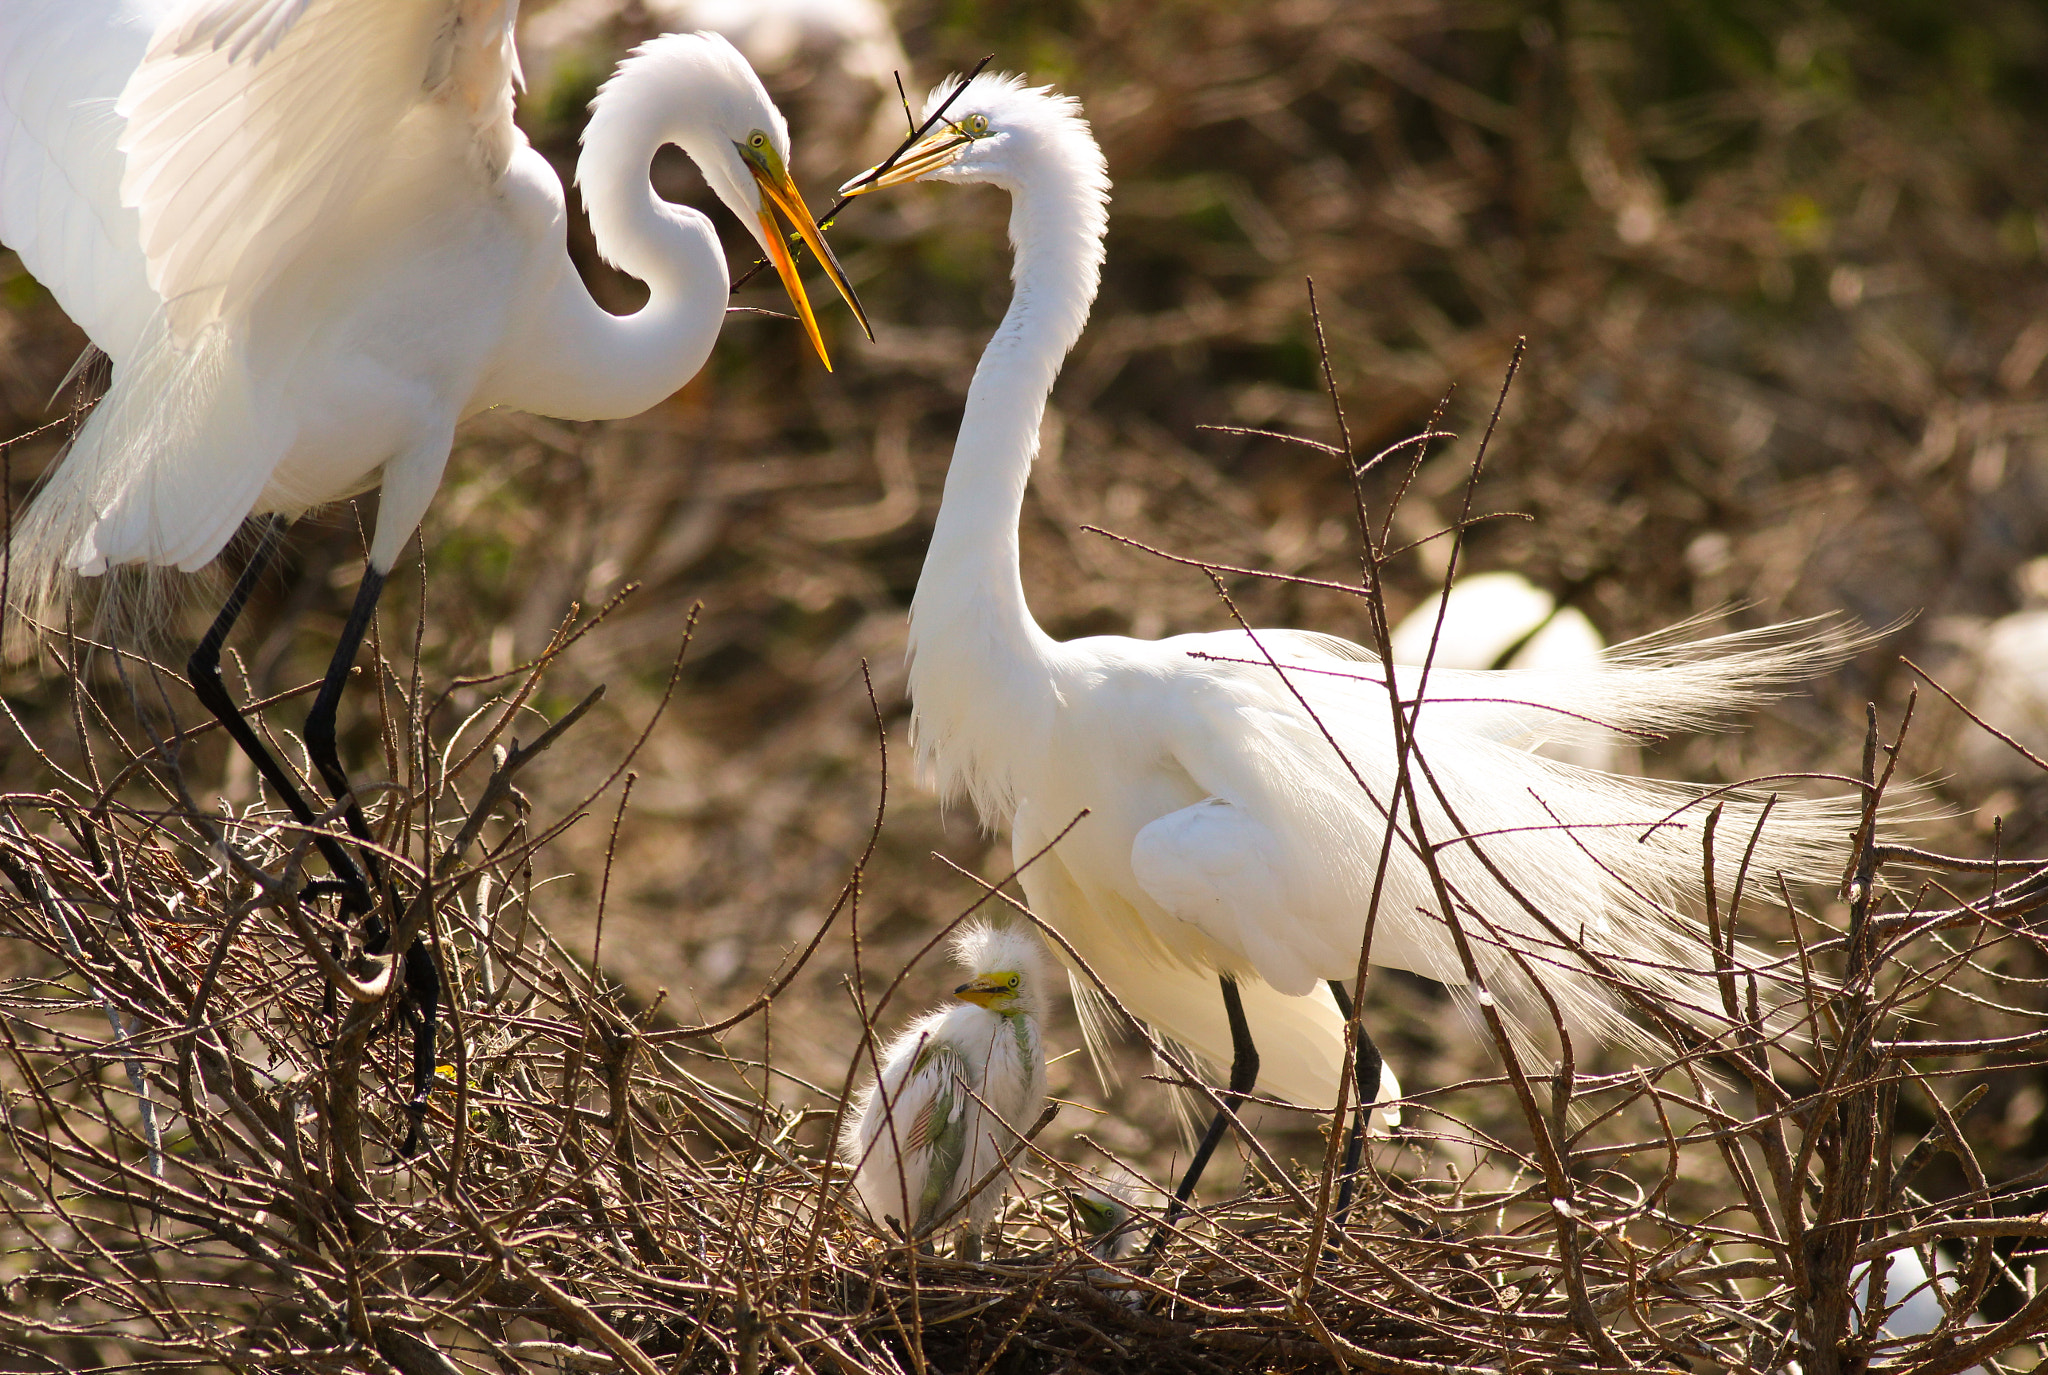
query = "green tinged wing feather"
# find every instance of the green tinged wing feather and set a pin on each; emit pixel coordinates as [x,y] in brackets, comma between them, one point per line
[943,1125]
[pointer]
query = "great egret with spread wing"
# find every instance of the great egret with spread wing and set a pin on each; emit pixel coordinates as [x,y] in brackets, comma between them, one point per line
[1239,785]
[311,240]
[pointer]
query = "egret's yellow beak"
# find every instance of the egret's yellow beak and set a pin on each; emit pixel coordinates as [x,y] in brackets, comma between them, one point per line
[937,149]
[984,990]
[779,191]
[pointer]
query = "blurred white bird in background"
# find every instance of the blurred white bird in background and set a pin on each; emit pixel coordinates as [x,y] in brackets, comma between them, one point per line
[955,1091]
[1504,621]
[1236,803]
[311,240]
[832,62]
[2000,667]
[1915,1298]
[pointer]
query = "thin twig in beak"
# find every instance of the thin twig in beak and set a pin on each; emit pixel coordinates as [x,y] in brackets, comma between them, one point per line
[885,164]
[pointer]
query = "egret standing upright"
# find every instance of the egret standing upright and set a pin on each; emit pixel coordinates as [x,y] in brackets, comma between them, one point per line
[311,240]
[1242,788]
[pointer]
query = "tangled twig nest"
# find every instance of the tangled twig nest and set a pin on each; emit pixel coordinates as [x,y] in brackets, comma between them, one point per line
[206,1119]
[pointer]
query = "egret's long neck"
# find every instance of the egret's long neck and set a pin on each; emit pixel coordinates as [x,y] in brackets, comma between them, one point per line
[593,365]
[978,660]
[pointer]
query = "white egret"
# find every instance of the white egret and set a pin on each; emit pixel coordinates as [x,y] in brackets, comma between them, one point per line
[1103,1208]
[311,240]
[955,1090]
[1237,803]
[1502,620]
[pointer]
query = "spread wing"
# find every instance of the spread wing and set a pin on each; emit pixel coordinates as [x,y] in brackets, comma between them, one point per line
[248,121]
[62,66]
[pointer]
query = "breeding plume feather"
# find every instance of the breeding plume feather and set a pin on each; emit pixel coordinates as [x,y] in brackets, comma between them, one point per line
[956,1089]
[1238,787]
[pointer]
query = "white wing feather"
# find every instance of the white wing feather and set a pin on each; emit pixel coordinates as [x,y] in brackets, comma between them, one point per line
[1300,1039]
[1279,866]
[63,64]
[250,120]
[158,219]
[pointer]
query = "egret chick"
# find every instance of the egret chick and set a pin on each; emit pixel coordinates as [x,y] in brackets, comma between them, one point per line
[955,1090]
[1105,1213]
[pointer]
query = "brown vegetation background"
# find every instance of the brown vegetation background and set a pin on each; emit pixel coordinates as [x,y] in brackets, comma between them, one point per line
[1783,271]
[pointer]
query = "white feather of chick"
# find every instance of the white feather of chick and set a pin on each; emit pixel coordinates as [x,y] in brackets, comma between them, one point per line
[918,1138]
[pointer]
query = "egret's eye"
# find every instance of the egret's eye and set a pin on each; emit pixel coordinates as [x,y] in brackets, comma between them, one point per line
[975,125]
[759,142]
[1010,982]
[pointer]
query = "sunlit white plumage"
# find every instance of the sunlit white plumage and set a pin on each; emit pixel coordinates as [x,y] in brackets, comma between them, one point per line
[1501,620]
[311,240]
[1224,833]
[918,1139]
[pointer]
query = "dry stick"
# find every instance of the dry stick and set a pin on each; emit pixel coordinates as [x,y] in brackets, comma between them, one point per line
[849,895]
[37,891]
[1403,725]
[2036,760]
[1847,1128]
[774,989]
[579,1314]
[1590,1329]
[1371,588]
[345,1063]
[604,887]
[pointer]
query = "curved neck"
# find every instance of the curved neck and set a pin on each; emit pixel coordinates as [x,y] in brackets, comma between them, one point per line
[973,643]
[594,365]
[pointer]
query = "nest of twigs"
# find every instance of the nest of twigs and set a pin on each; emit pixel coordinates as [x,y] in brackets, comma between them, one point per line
[206,1112]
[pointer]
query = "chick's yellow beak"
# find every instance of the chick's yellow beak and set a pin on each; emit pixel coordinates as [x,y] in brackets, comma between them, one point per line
[984,990]
[940,148]
[779,192]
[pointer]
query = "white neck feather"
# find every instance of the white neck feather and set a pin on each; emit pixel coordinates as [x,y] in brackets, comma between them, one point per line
[979,677]
[588,364]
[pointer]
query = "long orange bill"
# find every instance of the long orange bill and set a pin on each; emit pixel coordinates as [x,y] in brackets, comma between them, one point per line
[928,154]
[779,191]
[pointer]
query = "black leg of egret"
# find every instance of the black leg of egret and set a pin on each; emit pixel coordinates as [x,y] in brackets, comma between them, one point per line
[203,671]
[1366,1071]
[422,979]
[320,741]
[1244,1073]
